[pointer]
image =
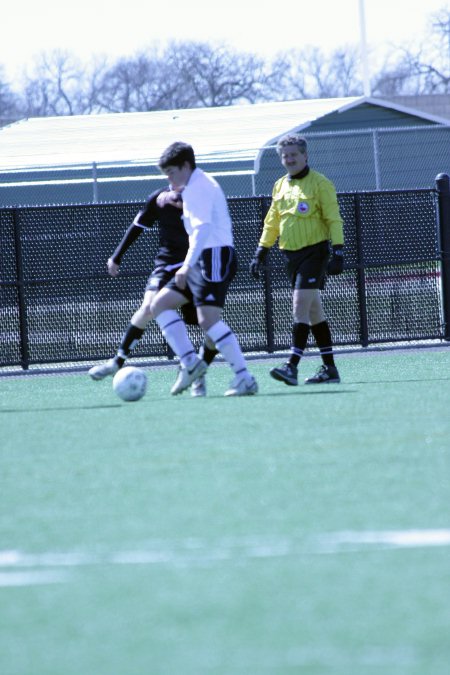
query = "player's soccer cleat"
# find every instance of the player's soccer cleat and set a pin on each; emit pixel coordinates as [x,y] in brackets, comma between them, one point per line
[242,385]
[287,373]
[104,369]
[187,375]
[325,374]
[199,387]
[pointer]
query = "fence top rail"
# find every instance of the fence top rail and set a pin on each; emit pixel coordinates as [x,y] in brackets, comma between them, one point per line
[40,207]
[387,192]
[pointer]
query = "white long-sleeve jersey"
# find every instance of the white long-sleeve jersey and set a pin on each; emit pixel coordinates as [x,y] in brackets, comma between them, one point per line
[205,215]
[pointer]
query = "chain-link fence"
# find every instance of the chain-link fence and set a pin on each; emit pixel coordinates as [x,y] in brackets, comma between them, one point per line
[388,158]
[391,158]
[59,305]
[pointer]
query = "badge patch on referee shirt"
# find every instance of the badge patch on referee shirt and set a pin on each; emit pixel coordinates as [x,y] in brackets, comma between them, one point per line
[303,207]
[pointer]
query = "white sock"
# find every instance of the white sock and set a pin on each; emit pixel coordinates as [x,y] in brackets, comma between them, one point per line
[227,344]
[174,330]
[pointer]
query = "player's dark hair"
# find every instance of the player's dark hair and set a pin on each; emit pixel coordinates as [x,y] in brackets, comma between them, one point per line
[176,155]
[292,139]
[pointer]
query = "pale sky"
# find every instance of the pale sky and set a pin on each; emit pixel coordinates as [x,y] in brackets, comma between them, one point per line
[118,28]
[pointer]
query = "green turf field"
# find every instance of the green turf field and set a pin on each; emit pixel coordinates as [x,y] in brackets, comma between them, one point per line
[304,530]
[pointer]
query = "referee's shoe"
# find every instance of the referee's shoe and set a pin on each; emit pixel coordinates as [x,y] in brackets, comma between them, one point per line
[325,374]
[287,373]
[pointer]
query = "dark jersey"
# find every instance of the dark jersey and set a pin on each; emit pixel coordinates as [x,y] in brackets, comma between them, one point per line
[172,237]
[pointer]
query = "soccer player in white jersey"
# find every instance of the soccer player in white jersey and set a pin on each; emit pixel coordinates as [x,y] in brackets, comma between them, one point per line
[205,275]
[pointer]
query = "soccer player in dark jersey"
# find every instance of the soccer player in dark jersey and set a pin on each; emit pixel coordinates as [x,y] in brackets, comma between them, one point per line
[304,216]
[173,247]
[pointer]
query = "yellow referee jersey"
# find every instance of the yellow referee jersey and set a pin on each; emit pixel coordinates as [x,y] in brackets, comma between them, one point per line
[303,212]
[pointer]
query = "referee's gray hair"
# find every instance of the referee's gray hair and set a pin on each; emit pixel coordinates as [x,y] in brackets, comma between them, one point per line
[292,139]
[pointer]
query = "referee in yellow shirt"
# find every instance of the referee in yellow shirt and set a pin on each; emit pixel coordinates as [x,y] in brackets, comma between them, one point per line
[304,216]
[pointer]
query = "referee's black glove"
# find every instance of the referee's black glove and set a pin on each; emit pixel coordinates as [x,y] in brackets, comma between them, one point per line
[258,261]
[336,262]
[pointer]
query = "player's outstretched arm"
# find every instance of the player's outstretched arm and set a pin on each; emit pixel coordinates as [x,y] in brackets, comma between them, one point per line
[133,232]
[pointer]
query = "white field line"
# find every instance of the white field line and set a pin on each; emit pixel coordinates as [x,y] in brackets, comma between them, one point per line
[32,578]
[340,541]
[18,568]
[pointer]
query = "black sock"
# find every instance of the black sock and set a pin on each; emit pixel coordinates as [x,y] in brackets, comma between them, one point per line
[300,332]
[322,336]
[207,354]
[129,341]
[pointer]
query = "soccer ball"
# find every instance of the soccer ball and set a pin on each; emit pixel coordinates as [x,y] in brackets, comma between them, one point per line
[130,383]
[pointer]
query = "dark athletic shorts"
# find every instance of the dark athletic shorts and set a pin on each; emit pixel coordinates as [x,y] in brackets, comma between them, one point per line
[159,278]
[161,275]
[210,277]
[307,267]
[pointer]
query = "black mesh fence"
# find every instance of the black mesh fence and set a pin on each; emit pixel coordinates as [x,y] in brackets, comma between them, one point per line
[59,305]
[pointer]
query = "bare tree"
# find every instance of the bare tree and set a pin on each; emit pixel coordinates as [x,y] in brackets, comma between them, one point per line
[394,78]
[61,85]
[202,74]
[308,73]
[91,90]
[440,22]
[11,106]
[136,84]
[214,75]
[199,74]
[183,75]
[422,70]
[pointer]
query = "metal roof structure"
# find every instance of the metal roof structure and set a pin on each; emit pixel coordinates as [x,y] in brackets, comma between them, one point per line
[217,134]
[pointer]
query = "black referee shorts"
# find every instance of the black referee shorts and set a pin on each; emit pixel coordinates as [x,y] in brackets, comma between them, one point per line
[307,267]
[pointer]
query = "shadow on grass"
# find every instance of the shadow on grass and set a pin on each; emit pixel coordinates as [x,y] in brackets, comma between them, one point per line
[292,391]
[403,381]
[62,408]
[308,392]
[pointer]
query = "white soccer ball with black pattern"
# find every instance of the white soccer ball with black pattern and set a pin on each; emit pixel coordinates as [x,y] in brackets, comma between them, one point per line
[130,383]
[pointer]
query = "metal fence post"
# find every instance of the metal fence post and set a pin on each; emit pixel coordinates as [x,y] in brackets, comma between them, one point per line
[361,275]
[376,159]
[268,294]
[94,183]
[21,301]
[443,188]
